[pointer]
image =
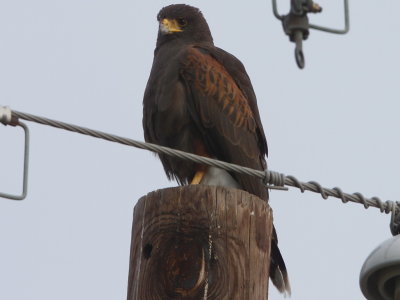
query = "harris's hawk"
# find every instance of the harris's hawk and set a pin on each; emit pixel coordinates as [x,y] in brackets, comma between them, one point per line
[199,99]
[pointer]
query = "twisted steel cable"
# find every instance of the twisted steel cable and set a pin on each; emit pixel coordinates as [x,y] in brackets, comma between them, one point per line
[272,179]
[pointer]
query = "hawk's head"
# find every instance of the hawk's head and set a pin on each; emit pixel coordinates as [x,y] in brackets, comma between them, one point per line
[184,22]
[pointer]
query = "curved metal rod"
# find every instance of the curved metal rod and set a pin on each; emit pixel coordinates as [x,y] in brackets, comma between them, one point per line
[322,28]
[275,10]
[26,164]
[337,31]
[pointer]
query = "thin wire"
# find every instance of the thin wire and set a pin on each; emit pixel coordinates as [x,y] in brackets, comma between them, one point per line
[268,176]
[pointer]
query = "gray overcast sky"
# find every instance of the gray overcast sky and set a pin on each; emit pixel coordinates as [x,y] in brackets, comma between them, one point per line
[87,62]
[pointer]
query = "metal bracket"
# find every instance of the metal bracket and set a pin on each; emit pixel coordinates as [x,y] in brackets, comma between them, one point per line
[296,24]
[7,119]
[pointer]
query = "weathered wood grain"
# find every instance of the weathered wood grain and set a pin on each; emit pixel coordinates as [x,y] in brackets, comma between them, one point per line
[200,242]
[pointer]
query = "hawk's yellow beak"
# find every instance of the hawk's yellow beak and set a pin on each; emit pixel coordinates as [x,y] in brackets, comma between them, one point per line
[169,26]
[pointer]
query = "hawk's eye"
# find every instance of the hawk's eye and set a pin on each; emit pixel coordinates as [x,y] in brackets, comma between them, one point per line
[182,22]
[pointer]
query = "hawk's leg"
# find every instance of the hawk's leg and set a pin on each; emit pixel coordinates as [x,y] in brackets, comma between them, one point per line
[201,170]
[198,176]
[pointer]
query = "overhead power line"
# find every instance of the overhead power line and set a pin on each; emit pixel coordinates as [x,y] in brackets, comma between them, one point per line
[272,179]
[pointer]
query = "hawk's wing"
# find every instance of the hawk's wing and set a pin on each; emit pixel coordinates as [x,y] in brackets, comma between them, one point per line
[223,105]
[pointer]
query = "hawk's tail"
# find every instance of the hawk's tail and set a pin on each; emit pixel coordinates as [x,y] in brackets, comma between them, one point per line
[277,269]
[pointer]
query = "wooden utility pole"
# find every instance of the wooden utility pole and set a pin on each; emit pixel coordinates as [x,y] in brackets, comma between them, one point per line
[200,242]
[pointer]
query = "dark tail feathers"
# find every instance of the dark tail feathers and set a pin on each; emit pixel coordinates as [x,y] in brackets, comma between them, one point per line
[277,269]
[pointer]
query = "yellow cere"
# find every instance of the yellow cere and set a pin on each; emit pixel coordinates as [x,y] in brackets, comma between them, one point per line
[169,26]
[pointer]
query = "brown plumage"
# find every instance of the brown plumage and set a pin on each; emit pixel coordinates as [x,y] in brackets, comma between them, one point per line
[199,99]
